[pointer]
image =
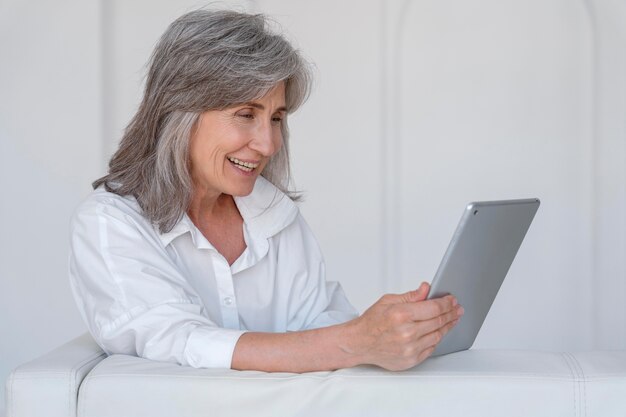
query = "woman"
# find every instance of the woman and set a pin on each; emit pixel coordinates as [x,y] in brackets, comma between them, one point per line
[191,249]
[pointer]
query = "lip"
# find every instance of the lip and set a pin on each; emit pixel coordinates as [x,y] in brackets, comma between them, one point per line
[241,171]
[248,161]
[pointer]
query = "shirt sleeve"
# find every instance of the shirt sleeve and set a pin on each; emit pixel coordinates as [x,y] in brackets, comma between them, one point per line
[315,301]
[133,298]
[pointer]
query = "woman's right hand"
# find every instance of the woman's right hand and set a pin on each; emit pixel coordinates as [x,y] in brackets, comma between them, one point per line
[396,333]
[401,330]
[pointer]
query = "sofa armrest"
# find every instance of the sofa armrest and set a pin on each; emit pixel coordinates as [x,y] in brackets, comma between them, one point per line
[474,383]
[48,386]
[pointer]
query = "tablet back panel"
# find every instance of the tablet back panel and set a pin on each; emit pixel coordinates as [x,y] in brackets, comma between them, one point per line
[477,260]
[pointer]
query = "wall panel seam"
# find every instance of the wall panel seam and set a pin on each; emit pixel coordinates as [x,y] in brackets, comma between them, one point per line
[590,16]
[106,85]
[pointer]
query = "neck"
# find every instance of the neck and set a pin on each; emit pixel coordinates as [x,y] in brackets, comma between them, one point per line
[206,206]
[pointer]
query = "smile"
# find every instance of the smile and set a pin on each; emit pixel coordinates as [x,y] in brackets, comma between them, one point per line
[244,166]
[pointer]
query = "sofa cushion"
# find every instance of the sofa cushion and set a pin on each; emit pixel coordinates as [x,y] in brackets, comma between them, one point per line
[471,383]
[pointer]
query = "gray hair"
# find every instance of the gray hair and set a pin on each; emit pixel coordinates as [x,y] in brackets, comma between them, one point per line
[205,60]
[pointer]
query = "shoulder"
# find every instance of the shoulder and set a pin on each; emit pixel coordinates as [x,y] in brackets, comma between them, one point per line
[300,231]
[100,199]
[104,208]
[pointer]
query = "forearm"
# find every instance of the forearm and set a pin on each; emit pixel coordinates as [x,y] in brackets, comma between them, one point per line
[396,333]
[324,349]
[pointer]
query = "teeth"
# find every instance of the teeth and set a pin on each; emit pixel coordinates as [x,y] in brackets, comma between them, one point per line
[246,166]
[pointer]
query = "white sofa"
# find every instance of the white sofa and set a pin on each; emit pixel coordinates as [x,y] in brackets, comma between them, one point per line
[78,379]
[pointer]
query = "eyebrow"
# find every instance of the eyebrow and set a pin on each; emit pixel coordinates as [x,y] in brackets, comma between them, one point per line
[262,107]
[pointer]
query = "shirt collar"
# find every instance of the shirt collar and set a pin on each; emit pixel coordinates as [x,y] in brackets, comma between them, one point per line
[183,226]
[265,212]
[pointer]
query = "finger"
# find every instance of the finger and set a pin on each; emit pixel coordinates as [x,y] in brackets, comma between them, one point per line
[417,295]
[408,297]
[428,326]
[425,354]
[434,338]
[422,291]
[428,309]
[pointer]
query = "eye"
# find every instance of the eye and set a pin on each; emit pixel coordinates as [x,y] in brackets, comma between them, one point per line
[246,115]
[278,118]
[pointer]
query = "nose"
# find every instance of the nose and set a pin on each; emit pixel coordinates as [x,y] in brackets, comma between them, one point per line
[266,139]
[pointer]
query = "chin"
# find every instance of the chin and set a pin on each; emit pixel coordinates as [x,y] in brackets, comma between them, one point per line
[240,191]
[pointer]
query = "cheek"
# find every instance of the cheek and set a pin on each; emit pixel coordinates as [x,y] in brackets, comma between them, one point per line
[204,159]
[217,162]
[194,156]
[278,142]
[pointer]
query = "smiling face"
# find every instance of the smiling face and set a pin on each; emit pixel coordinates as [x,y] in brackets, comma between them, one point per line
[228,149]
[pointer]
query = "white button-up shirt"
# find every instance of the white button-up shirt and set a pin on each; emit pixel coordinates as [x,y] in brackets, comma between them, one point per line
[173,297]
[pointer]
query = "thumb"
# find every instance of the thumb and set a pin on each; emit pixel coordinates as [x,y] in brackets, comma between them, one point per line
[409,297]
[421,293]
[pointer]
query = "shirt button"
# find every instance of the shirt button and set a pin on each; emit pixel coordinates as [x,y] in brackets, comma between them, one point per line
[228,301]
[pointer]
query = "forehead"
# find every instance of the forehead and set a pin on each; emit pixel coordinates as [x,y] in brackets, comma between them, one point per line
[272,101]
[275,96]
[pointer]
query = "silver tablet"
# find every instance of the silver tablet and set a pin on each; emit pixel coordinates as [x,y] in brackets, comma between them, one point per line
[477,260]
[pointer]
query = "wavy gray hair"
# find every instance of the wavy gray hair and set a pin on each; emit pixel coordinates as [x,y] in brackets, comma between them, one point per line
[205,60]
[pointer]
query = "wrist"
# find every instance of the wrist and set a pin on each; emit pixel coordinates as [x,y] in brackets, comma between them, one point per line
[351,343]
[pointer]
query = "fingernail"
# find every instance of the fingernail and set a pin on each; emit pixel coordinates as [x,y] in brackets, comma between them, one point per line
[454,301]
[461,311]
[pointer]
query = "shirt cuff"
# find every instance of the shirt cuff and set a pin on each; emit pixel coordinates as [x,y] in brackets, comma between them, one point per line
[211,347]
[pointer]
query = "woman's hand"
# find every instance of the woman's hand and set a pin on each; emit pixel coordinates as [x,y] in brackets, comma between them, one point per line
[401,330]
[396,333]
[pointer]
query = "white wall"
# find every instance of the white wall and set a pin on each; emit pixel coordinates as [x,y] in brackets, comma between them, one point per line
[609,172]
[50,148]
[419,107]
[500,107]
